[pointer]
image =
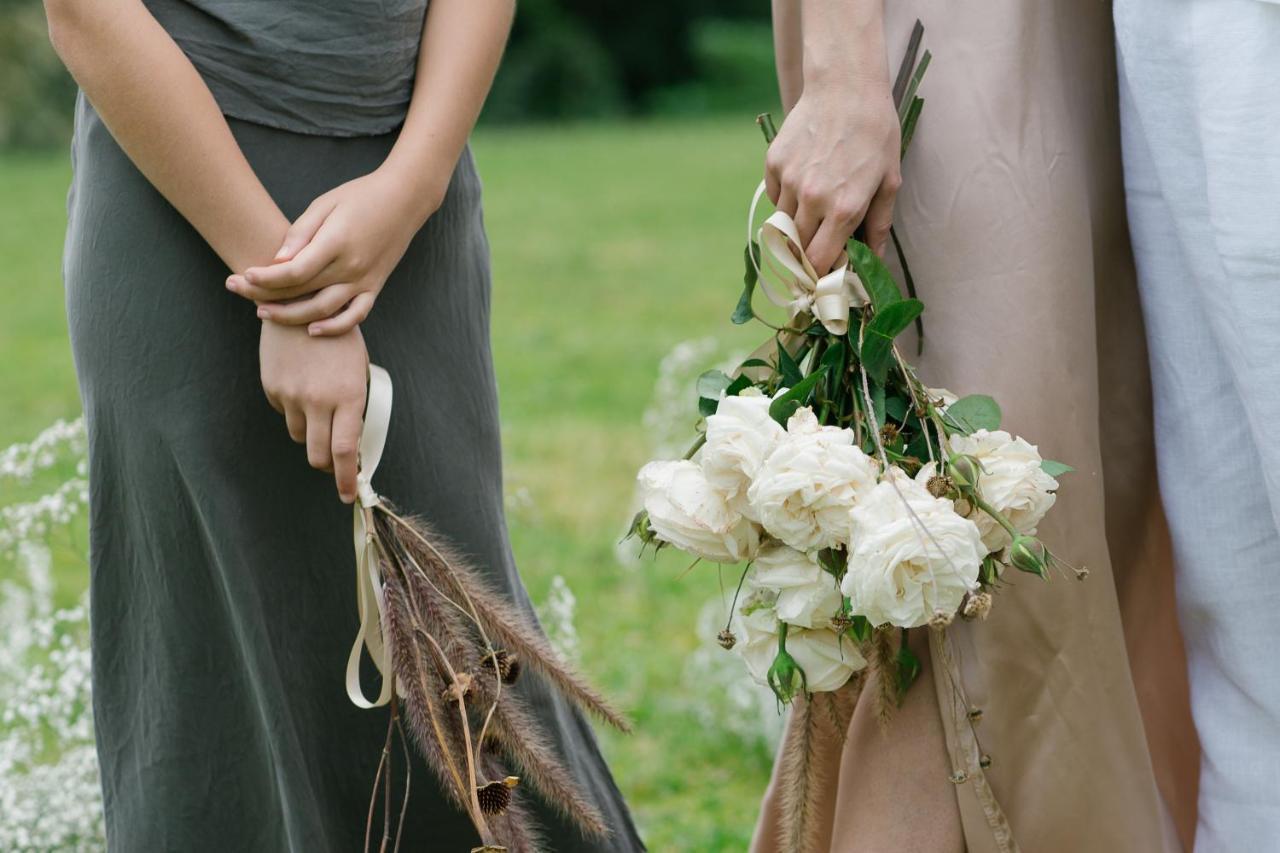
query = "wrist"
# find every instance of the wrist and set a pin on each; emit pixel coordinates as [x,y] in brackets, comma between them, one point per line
[419,181]
[843,47]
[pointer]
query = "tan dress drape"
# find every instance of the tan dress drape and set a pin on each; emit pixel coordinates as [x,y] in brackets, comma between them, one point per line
[1012,217]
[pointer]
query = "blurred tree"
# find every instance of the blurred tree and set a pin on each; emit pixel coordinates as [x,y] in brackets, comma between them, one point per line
[567,59]
[36,93]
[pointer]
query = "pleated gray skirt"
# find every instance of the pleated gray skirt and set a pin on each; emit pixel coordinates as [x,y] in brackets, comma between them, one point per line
[223,600]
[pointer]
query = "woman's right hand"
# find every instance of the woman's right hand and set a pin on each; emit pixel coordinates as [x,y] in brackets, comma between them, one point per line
[319,385]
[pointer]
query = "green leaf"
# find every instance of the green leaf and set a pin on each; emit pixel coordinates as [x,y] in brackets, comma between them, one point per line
[1055,469]
[737,386]
[788,369]
[908,669]
[877,403]
[833,358]
[710,386]
[909,125]
[896,408]
[744,313]
[875,276]
[975,412]
[909,96]
[784,406]
[860,627]
[877,339]
[756,362]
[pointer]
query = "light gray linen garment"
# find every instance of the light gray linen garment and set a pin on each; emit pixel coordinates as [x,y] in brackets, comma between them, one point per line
[1200,83]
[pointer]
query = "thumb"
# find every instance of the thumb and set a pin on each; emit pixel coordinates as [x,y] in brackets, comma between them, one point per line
[304,228]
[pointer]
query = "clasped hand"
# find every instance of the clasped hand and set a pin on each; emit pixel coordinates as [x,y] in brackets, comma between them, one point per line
[322,284]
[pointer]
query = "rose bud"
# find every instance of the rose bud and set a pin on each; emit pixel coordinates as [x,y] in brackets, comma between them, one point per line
[1029,554]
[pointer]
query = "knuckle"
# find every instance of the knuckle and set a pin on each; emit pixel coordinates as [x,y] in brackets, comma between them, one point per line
[344,448]
[812,193]
[893,182]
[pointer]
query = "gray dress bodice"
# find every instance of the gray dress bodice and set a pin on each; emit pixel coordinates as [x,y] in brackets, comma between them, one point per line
[322,67]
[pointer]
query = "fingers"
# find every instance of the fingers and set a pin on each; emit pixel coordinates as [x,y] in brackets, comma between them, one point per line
[825,248]
[319,444]
[240,286]
[304,228]
[347,424]
[323,303]
[772,181]
[310,261]
[296,421]
[346,319]
[880,214]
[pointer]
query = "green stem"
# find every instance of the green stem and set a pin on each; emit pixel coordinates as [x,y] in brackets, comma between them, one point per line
[994,513]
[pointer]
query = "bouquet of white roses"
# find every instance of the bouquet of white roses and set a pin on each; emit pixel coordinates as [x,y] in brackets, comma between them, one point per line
[862,502]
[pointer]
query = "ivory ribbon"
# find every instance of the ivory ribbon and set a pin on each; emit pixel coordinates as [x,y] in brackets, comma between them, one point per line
[373,633]
[789,280]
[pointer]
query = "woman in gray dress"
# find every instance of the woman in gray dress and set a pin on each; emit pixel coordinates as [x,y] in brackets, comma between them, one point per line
[221,559]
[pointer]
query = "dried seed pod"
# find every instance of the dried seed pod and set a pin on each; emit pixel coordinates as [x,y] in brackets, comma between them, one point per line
[459,689]
[727,639]
[495,797]
[506,663]
[941,486]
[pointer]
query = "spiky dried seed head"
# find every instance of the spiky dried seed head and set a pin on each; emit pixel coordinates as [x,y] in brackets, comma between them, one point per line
[941,619]
[495,797]
[841,622]
[726,639]
[888,434]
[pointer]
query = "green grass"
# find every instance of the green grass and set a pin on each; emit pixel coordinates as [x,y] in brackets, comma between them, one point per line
[611,243]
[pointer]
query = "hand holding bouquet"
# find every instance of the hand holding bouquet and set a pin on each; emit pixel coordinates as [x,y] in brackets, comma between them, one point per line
[863,502]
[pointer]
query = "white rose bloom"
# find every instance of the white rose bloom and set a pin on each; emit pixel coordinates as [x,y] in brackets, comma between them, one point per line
[686,512]
[739,437]
[897,573]
[807,596]
[807,485]
[828,662]
[1011,480]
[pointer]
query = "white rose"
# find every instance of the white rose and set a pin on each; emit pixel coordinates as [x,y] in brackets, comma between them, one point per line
[1011,480]
[739,437]
[827,660]
[807,596]
[897,573]
[807,485]
[686,512]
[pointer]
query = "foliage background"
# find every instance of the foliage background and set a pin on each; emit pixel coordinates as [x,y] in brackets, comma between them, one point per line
[567,59]
[629,126]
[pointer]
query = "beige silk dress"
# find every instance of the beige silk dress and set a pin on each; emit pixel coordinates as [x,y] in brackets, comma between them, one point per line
[1012,217]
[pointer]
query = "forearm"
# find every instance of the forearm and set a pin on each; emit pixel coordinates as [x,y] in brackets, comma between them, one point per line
[787,51]
[462,43]
[828,44]
[164,117]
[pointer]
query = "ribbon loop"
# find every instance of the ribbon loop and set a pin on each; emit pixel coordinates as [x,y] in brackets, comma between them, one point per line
[789,280]
[372,634]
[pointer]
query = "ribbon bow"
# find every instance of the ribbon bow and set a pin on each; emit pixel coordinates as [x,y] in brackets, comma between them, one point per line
[792,282]
[373,633]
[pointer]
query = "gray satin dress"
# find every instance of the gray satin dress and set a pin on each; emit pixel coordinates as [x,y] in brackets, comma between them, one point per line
[223,594]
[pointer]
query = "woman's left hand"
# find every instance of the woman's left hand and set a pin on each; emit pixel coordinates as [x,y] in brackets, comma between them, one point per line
[339,253]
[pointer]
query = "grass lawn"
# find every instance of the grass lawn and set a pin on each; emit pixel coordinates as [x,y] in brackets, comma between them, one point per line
[611,244]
